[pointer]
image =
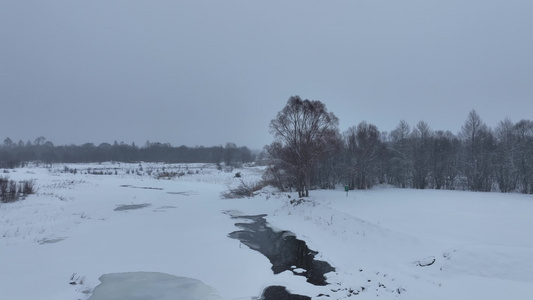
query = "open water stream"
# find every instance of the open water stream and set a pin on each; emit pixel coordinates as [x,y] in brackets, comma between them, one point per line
[284,251]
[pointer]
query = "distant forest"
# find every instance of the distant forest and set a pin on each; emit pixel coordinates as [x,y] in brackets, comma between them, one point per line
[13,154]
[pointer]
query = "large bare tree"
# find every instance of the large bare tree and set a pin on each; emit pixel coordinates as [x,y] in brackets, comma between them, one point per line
[302,133]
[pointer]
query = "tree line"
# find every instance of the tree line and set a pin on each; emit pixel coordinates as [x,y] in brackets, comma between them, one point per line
[16,154]
[310,152]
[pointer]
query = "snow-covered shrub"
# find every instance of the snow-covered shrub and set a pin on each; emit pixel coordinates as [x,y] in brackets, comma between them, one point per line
[28,187]
[168,175]
[11,191]
[243,190]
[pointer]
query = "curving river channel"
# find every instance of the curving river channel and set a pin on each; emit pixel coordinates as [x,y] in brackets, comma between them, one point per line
[284,251]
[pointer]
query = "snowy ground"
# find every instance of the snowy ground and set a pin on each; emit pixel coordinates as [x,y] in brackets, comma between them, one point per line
[386,242]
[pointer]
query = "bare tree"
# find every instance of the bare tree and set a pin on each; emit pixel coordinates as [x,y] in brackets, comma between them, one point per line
[524,158]
[301,132]
[331,168]
[365,151]
[401,162]
[421,136]
[8,143]
[478,153]
[444,160]
[505,167]
[39,141]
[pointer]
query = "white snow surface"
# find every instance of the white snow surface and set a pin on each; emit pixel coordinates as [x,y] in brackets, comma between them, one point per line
[385,242]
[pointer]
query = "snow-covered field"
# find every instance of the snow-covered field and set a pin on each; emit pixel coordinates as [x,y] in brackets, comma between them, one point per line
[173,233]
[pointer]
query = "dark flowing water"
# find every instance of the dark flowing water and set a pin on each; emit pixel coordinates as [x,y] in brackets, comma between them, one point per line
[280,293]
[283,249]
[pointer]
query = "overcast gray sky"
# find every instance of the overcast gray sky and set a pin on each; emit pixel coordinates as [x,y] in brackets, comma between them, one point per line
[210,72]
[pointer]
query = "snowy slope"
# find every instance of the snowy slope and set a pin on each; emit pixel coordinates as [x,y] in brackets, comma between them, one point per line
[386,242]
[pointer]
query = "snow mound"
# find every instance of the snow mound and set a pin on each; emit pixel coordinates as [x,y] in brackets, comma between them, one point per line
[151,285]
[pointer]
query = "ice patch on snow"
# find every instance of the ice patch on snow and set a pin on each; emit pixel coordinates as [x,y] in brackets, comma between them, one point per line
[151,286]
